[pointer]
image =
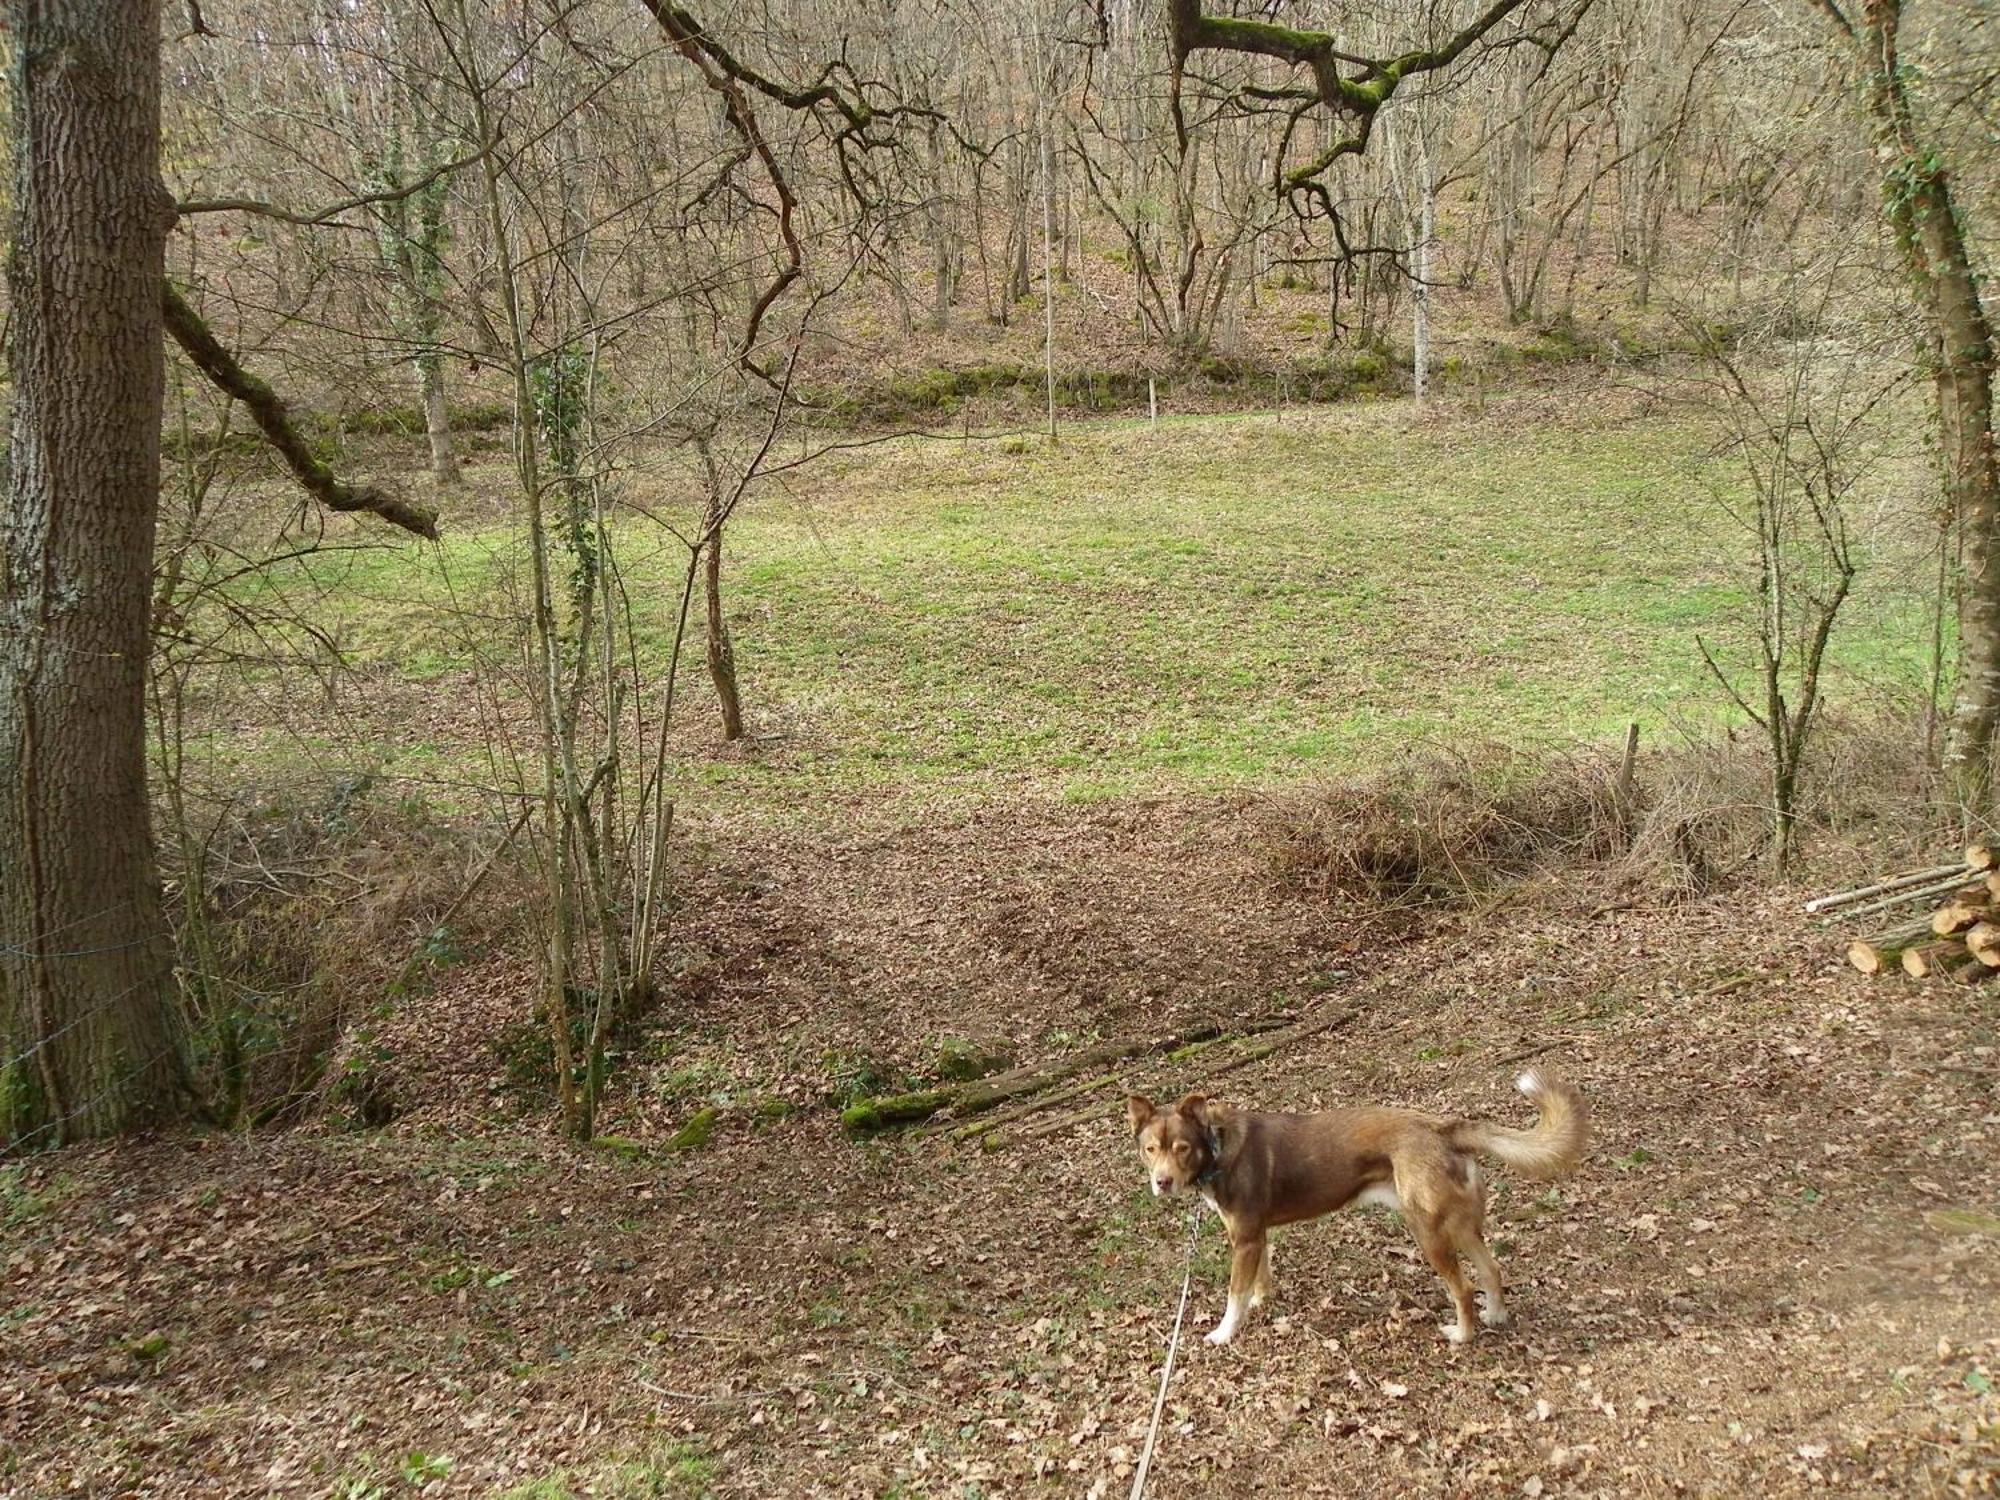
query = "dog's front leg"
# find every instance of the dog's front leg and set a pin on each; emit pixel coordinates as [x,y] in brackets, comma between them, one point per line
[1245,1259]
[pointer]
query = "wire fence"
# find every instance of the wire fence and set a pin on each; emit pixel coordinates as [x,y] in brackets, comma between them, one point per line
[28,1036]
[29,1140]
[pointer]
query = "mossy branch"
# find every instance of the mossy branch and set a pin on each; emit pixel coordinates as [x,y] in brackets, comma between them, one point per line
[881,1112]
[1357,95]
[274,420]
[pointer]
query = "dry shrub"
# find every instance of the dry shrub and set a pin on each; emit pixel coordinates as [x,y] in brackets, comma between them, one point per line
[1870,800]
[1707,820]
[319,910]
[1445,825]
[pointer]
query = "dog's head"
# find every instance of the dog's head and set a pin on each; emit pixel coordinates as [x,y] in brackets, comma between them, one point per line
[1177,1146]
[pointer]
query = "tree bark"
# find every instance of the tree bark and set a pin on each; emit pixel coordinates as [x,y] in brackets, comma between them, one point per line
[1924,214]
[437,419]
[1420,290]
[721,650]
[90,1042]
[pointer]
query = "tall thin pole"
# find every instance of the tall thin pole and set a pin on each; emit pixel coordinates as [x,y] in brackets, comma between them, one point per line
[1421,294]
[1042,84]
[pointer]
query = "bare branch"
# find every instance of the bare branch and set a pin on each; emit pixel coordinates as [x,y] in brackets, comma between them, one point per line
[272,417]
[329,214]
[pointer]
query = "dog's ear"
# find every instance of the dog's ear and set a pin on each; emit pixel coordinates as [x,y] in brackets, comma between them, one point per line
[1194,1107]
[1139,1110]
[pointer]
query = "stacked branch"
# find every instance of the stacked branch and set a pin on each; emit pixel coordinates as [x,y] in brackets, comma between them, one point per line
[1957,940]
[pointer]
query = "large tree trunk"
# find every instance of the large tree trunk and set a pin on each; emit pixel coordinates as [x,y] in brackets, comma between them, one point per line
[89,1042]
[1925,217]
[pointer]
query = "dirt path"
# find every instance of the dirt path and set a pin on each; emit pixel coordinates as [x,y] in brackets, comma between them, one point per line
[1778,1274]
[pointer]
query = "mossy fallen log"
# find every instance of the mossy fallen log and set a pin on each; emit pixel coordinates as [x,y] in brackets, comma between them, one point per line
[618,1145]
[884,1111]
[1875,954]
[1074,1092]
[1945,956]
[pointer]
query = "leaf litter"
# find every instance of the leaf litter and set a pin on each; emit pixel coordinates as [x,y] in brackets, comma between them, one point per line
[1775,1274]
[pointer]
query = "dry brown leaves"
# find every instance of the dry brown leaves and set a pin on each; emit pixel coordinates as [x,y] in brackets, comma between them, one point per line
[1777,1274]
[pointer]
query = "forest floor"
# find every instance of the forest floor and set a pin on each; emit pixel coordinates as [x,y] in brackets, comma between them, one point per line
[1777,1273]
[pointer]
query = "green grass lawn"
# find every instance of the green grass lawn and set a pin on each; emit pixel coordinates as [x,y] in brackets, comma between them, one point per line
[1217,602]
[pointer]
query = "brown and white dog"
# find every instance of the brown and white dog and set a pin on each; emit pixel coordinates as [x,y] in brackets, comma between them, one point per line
[1263,1170]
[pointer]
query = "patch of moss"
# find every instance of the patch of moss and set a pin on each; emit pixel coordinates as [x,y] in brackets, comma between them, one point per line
[1224,369]
[1558,343]
[960,1060]
[1367,367]
[698,1132]
[21,1202]
[622,1146]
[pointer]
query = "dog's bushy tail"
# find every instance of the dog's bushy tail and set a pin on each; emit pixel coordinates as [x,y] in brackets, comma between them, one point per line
[1551,1149]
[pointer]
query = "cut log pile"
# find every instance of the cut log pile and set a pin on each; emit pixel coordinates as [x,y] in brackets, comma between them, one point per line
[1958,940]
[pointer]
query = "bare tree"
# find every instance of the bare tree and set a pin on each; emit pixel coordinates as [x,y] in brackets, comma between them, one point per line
[1802,400]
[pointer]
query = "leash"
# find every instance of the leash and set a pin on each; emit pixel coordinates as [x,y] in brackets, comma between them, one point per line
[1167,1370]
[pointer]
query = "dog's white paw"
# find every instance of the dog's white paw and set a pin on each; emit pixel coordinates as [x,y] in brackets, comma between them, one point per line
[1453,1334]
[1222,1333]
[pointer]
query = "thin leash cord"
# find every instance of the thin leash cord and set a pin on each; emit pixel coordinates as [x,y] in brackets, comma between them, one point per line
[1167,1370]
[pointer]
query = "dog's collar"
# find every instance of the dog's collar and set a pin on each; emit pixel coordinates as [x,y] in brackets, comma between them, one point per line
[1212,1173]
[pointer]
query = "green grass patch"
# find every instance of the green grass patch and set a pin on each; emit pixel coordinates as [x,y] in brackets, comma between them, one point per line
[1211,603]
[684,1468]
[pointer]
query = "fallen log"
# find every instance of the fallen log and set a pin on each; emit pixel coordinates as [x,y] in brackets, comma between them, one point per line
[1968,904]
[1873,955]
[1043,1102]
[884,1111]
[1981,857]
[1951,882]
[1936,959]
[999,1140]
[1982,941]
